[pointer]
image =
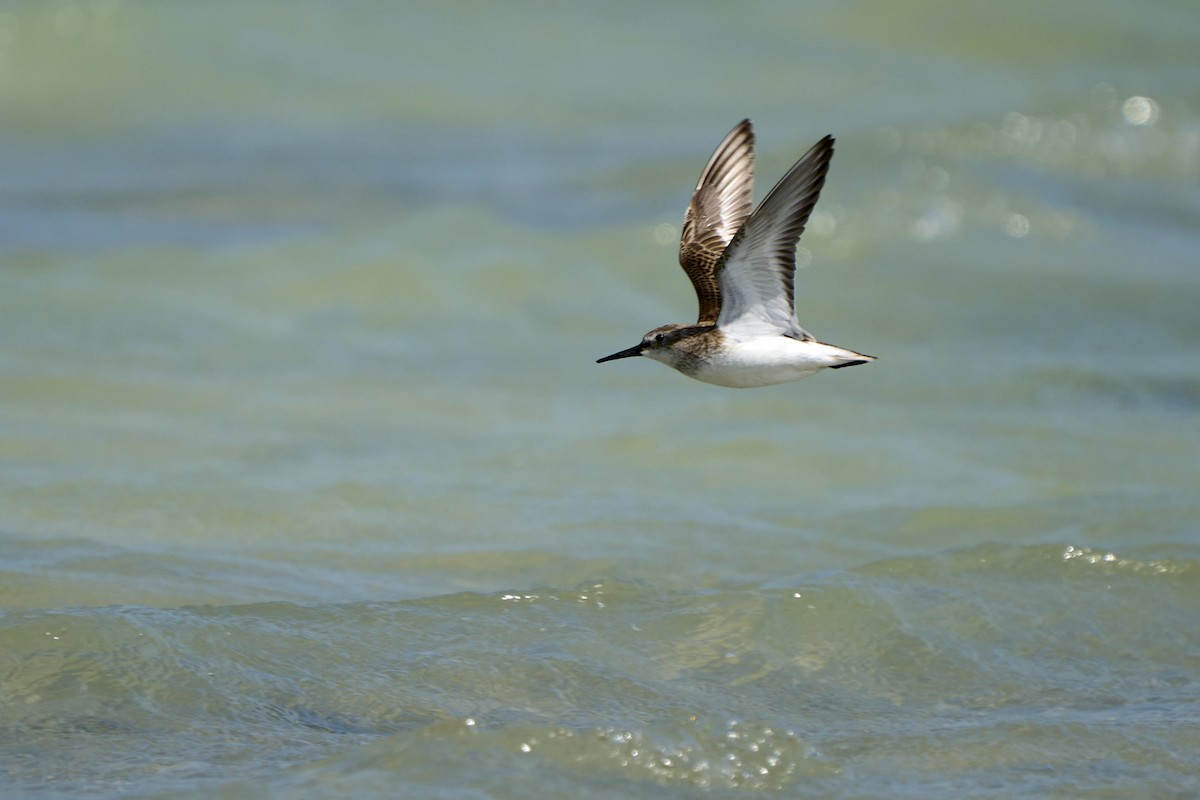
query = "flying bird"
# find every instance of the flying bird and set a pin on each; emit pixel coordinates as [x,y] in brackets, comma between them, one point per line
[742,266]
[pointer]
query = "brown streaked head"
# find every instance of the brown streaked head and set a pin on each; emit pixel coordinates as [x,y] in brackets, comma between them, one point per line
[663,341]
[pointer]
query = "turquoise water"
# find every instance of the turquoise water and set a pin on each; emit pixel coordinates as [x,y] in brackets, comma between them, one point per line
[309,486]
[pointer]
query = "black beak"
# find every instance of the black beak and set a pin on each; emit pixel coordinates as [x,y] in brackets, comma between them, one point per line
[636,350]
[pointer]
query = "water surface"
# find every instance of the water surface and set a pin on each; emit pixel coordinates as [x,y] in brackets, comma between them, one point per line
[309,486]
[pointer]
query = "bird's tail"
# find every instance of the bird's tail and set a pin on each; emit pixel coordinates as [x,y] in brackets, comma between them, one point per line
[848,358]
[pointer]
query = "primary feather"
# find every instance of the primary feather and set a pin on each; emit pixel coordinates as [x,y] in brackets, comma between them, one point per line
[719,206]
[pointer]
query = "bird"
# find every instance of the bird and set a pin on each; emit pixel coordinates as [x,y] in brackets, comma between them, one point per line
[742,266]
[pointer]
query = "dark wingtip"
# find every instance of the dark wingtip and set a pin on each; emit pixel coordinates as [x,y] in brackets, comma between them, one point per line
[827,143]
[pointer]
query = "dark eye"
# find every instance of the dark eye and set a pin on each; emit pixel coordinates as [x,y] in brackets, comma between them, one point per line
[658,337]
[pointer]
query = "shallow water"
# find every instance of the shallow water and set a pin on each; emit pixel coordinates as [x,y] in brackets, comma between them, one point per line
[309,486]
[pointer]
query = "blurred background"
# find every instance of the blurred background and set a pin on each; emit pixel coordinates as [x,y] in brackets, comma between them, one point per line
[309,484]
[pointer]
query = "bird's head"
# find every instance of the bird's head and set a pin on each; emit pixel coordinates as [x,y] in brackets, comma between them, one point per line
[659,344]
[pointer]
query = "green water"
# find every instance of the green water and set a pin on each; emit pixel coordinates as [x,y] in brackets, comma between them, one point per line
[309,486]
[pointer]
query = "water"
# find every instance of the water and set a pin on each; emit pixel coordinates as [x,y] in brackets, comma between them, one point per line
[309,486]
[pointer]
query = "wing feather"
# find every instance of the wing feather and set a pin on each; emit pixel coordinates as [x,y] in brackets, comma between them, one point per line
[757,272]
[719,206]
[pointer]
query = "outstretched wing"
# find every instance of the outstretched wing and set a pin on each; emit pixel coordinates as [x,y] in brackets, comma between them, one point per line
[757,272]
[720,204]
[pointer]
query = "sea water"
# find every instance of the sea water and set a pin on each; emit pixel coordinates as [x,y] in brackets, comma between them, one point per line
[309,486]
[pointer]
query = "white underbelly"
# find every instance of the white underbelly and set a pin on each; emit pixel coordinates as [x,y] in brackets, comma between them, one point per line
[763,362]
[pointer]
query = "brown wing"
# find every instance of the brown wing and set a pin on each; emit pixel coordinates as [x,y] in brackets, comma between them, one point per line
[720,204]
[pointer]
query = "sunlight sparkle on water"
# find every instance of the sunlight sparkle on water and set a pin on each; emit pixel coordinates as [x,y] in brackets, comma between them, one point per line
[1139,110]
[1017,225]
[665,233]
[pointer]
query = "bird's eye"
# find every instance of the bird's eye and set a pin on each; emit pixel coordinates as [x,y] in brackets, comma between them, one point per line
[658,337]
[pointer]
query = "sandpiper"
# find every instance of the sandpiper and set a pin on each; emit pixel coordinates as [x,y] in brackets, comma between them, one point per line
[742,266]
